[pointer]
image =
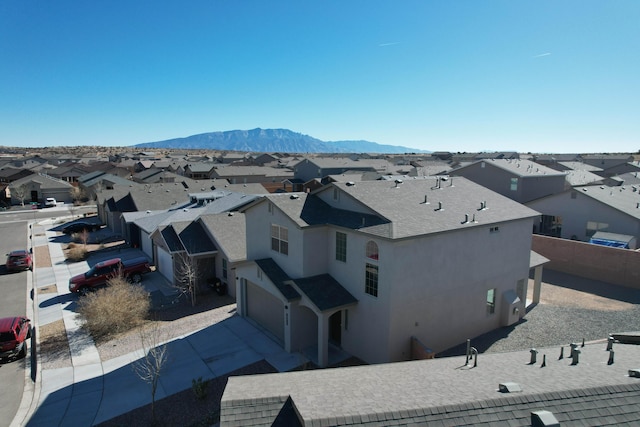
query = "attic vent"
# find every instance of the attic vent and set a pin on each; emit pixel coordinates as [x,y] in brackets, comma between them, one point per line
[294,197]
[509,387]
[543,419]
[350,183]
[148,212]
[185,210]
[635,373]
[230,213]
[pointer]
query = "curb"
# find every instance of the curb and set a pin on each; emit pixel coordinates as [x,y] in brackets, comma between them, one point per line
[32,387]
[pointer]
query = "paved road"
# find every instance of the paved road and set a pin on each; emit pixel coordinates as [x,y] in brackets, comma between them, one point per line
[13,302]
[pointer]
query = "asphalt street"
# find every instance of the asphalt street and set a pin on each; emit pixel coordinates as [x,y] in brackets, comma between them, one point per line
[12,303]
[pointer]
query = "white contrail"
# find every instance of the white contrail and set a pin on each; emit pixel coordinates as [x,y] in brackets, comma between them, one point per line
[388,44]
[542,54]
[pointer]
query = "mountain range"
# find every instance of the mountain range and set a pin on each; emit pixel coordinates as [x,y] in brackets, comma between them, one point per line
[273,141]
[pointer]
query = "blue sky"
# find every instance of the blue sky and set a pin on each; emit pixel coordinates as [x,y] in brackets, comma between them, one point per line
[543,76]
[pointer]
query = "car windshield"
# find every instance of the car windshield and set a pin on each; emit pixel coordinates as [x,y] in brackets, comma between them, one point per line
[90,272]
[7,336]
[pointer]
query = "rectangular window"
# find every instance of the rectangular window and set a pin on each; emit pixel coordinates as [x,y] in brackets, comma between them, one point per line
[495,229]
[224,268]
[371,280]
[491,301]
[280,239]
[341,246]
[514,184]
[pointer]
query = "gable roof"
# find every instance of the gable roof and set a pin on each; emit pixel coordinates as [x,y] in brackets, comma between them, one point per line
[278,277]
[452,204]
[229,232]
[625,199]
[520,168]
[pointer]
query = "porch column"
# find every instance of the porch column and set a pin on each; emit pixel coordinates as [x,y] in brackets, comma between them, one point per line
[287,328]
[323,340]
[537,284]
[241,296]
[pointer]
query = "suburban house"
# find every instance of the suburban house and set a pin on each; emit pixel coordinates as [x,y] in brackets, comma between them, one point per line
[582,211]
[211,237]
[520,180]
[319,167]
[37,187]
[251,174]
[198,170]
[376,267]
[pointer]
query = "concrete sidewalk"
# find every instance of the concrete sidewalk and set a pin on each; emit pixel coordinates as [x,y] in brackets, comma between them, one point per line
[92,391]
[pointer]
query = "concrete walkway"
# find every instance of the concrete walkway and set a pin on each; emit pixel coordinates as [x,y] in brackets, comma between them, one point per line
[92,391]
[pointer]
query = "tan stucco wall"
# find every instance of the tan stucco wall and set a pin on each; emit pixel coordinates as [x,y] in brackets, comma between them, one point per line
[611,265]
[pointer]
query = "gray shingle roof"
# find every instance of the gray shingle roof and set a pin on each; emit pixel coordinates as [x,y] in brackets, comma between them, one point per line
[402,205]
[444,391]
[278,277]
[325,292]
[229,232]
[171,239]
[193,237]
[624,198]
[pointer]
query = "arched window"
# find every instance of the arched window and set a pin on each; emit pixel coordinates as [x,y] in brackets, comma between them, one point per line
[372,250]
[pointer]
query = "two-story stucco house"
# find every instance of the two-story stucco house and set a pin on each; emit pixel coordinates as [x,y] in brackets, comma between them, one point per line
[373,266]
[520,180]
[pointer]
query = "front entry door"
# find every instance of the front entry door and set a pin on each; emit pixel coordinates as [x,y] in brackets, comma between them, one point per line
[335,328]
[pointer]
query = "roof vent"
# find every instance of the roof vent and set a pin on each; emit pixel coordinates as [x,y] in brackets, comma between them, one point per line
[230,214]
[350,183]
[398,182]
[294,197]
[509,387]
[426,202]
[543,418]
[439,208]
[466,219]
[635,373]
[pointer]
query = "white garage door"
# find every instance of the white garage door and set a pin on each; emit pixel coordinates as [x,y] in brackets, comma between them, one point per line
[165,264]
[266,310]
[146,244]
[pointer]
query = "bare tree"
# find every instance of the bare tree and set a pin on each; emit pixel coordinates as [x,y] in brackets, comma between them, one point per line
[78,195]
[187,276]
[20,192]
[149,368]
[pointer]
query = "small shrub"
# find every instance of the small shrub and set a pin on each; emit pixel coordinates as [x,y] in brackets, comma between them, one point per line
[71,245]
[199,388]
[76,253]
[117,308]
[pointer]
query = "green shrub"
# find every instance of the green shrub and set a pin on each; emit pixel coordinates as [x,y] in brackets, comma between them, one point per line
[199,388]
[117,308]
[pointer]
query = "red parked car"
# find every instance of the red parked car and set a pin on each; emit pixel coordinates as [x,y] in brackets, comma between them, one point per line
[19,260]
[14,332]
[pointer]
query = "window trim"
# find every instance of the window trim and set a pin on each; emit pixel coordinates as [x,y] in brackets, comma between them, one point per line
[280,240]
[341,246]
[371,279]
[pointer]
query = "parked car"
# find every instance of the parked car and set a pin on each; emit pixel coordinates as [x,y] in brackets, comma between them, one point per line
[50,202]
[19,260]
[99,274]
[14,332]
[80,226]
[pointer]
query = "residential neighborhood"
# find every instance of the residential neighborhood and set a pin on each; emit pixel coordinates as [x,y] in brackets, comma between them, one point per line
[390,262]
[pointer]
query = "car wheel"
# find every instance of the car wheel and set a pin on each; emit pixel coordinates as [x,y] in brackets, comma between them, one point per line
[136,278]
[83,291]
[23,351]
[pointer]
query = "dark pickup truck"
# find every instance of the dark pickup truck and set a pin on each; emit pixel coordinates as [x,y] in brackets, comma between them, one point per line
[99,274]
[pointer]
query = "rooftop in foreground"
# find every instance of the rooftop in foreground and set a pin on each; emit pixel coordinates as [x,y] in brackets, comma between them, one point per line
[445,391]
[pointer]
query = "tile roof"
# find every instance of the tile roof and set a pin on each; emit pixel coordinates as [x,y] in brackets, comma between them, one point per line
[444,391]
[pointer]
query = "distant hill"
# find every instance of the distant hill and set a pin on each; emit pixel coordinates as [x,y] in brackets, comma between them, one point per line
[274,140]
